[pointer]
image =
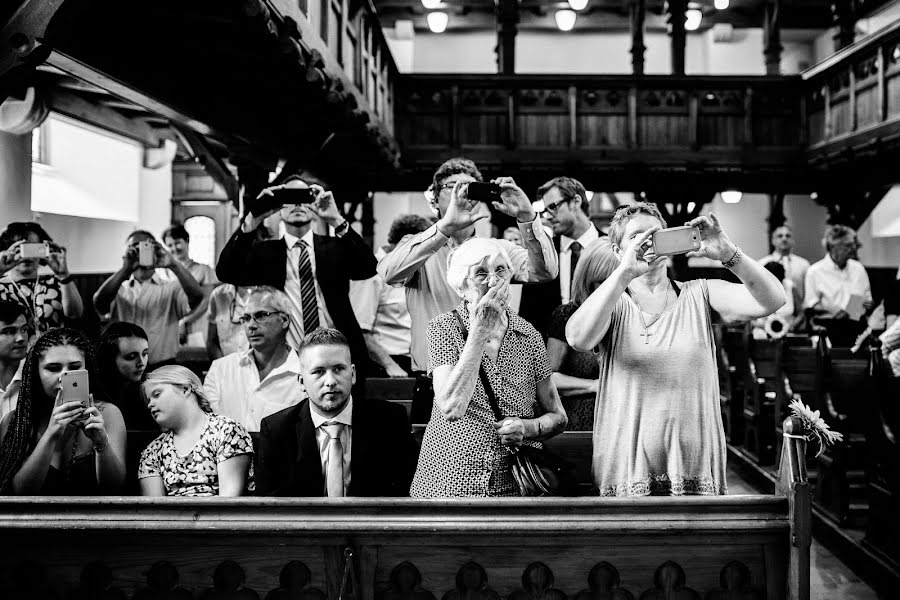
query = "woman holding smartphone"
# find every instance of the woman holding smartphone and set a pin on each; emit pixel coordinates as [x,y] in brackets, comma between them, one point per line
[61,440]
[657,424]
[49,298]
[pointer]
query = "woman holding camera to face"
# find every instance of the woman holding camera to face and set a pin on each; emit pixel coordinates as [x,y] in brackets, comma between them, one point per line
[47,298]
[657,425]
[464,451]
[54,445]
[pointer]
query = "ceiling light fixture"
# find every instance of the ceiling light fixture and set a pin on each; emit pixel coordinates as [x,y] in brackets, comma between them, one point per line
[693,17]
[721,4]
[578,4]
[431,4]
[731,196]
[437,21]
[565,19]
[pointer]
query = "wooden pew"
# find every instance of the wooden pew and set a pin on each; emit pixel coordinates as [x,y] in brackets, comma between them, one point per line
[732,357]
[391,549]
[394,389]
[763,378]
[577,448]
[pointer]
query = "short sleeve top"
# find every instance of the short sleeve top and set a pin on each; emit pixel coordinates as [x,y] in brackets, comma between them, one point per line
[196,474]
[41,299]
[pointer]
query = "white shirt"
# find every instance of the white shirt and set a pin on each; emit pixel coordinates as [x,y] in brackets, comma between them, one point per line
[380,309]
[795,268]
[9,396]
[293,290]
[345,417]
[235,391]
[156,304]
[829,287]
[565,260]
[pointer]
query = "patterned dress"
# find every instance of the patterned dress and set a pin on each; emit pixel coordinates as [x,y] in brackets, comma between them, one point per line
[41,299]
[196,474]
[658,429]
[464,457]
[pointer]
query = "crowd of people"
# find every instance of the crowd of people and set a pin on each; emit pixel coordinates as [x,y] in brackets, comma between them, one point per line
[556,325]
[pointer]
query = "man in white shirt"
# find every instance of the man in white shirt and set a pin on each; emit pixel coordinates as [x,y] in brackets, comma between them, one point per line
[331,445]
[566,208]
[251,385]
[15,331]
[837,293]
[795,266]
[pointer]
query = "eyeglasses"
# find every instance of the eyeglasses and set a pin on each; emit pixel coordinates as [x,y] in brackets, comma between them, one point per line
[554,206]
[449,185]
[25,330]
[259,316]
[481,275]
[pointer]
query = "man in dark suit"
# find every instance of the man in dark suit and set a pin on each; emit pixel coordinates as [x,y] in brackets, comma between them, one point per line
[313,268]
[328,445]
[566,208]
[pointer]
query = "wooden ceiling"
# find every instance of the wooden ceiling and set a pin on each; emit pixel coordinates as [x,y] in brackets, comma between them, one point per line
[611,15]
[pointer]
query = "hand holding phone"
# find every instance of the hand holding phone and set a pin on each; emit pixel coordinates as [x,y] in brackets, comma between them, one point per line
[75,387]
[146,253]
[37,250]
[676,240]
[483,192]
[281,196]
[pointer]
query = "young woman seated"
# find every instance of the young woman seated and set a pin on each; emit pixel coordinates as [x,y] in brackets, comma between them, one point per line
[122,355]
[199,453]
[53,444]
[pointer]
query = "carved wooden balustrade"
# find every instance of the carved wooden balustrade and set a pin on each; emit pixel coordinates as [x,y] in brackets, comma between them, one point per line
[752,547]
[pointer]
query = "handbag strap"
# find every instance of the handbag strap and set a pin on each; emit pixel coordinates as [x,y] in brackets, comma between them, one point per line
[485,382]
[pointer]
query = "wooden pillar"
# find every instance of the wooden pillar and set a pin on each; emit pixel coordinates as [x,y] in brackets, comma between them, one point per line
[677,10]
[772,33]
[776,215]
[638,10]
[843,13]
[507,28]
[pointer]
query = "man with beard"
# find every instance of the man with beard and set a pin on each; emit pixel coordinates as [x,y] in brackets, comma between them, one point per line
[313,270]
[329,445]
[15,331]
[566,209]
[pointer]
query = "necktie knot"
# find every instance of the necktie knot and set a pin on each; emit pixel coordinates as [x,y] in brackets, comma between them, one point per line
[332,429]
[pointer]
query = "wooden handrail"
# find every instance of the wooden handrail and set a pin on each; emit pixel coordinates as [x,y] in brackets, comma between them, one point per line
[839,58]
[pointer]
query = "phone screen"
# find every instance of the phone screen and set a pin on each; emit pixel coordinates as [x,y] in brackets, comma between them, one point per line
[483,192]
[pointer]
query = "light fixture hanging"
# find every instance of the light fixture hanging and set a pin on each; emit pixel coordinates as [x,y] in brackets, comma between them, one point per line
[431,4]
[731,196]
[693,17]
[437,21]
[721,4]
[578,4]
[565,19]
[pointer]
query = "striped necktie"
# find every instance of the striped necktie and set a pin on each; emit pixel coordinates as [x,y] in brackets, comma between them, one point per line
[308,302]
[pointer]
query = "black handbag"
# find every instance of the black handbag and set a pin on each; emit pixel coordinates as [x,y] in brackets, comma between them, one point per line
[537,471]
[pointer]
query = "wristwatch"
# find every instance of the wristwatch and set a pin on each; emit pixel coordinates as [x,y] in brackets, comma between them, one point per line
[341,229]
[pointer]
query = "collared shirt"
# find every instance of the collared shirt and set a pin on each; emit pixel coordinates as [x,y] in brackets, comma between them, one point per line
[828,287]
[795,268]
[9,396]
[226,305]
[380,309]
[293,290]
[156,305]
[206,278]
[420,263]
[235,391]
[345,418]
[565,260]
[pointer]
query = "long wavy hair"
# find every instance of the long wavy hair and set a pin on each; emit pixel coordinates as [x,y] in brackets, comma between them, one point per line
[33,405]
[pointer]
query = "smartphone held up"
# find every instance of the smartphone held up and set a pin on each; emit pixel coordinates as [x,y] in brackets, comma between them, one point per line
[676,240]
[483,192]
[30,250]
[146,253]
[282,197]
[76,388]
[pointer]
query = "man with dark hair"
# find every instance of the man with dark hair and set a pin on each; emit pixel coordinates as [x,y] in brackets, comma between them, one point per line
[312,267]
[136,293]
[329,445]
[420,261]
[15,331]
[566,208]
[192,328]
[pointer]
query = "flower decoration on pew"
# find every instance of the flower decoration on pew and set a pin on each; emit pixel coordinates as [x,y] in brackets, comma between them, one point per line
[814,426]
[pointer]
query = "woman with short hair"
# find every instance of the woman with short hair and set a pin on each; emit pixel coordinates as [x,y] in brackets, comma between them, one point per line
[657,423]
[465,451]
[199,453]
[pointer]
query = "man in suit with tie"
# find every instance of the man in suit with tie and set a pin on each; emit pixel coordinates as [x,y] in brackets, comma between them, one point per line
[566,208]
[328,445]
[312,267]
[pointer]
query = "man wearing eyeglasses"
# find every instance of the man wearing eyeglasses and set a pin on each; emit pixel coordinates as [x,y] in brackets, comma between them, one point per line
[419,261]
[566,211]
[15,331]
[251,385]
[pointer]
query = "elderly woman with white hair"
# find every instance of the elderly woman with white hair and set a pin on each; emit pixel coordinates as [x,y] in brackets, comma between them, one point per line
[465,451]
[199,453]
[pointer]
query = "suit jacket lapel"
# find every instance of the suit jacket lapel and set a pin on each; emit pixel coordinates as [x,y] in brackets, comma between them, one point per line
[309,463]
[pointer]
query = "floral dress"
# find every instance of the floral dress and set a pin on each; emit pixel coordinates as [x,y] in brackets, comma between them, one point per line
[41,299]
[196,474]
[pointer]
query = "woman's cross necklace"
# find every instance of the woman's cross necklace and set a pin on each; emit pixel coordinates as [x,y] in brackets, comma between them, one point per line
[646,325]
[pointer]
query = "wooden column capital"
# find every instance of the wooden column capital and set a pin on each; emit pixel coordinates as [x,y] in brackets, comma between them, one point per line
[772,32]
[677,10]
[638,10]
[507,29]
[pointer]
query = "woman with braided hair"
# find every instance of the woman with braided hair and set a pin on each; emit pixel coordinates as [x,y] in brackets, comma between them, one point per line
[55,447]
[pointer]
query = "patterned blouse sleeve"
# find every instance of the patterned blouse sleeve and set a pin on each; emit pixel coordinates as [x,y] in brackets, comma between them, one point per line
[235,441]
[535,346]
[151,461]
[442,349]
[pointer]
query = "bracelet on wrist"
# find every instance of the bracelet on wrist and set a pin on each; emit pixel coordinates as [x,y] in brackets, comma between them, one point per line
[65,280]
[734,260]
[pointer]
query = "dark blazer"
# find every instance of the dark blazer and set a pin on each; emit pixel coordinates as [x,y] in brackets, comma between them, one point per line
[539,300]
[246,261]
[382,455]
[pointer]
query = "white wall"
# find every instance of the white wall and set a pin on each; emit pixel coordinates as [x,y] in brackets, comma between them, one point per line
[15,177]
[455,52]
